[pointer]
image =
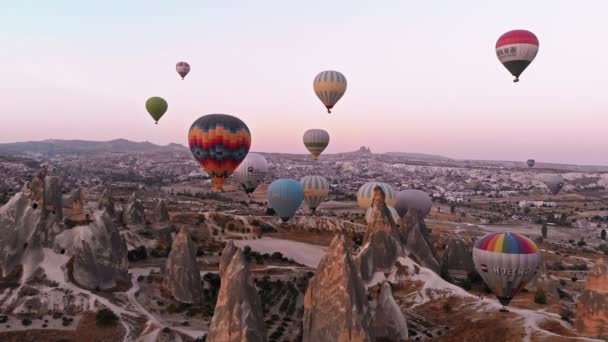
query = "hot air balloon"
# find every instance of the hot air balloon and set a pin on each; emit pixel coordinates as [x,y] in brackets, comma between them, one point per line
[366,194]
[329,86]
[316,140]
[316,190]
[516,50]
[182,69]
[251,172]
[157,107]
[530,162]
[392,210]
[219,143]
[554,183]
[506,262]
[413,199]
[285,196]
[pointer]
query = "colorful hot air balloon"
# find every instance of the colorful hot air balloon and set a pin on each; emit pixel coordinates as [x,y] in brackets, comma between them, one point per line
[316,140]
[506,262]
[554,183]
[251,172]
[157,107]
[516,50]
[530,162]
[392,210]
[413,199]
[366,194]
[316,190]
[329,86]
[182,69]
[285,196]
[219,143]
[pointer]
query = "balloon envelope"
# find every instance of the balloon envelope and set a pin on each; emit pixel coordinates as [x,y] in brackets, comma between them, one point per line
[156,107]
[182,69]
[316,190]
[219,143]
[365,194]
[251,172]
[531,162]
[316,140]
[413,199]
[285,196]
[506,262]
[516,50]
[330,87]
[554,183]
[392,210]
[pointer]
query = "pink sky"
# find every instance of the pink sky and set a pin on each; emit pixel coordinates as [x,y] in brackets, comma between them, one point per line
[422,77]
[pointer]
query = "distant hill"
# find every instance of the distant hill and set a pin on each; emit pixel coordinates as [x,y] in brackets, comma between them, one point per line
[58,147]
[420,156]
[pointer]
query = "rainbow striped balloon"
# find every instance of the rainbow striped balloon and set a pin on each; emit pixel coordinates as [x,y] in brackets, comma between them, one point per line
[219,143]
[506,262]
[330,87]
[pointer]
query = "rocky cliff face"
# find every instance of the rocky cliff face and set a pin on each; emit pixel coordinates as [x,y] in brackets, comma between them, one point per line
[389,323]
[73,203]
[381,246]
[457,260]
[162,214]
[99,253]
[592,307]
[133,212]
[28,222]
[181,273]
[335,304]
[227,255]
[417,240]
[238,312]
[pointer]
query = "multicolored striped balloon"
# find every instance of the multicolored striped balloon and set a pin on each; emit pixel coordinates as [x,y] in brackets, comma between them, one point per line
[316,190]
[516,50]
[330,87]
[365,195]
[182,69]
[316,140]
[219,143]
[506,262]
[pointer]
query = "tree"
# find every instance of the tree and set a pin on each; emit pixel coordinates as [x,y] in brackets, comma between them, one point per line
[540,297]
[603,234]
[105,317]
[544,230]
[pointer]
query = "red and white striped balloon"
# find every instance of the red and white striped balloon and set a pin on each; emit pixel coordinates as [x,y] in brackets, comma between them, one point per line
[182,68]
[516,50]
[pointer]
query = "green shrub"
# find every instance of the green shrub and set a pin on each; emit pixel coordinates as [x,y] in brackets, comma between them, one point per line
[540,297]
[105,317]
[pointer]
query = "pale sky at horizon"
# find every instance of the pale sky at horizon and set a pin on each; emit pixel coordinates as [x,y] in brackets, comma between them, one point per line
[422,76]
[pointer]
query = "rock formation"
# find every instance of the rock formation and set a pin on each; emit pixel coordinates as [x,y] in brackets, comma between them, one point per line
[238,312]
[133,212]
[592,307]
[544,281]
[99,253]
[52,196]
[227,255]
[389,323]
[181,273]
[162,214]
[381,241]
[106,202]
[335,304]
[417,240]
[73,203]
[457,260]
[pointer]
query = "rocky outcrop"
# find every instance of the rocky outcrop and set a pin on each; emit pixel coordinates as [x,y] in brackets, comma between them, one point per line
[161,212]
[544,281]
[181,273]
[389,324]
[227,255]
[457,260]
[99,253]
[133,212]
[106,202]
[335,304]
[26,225]
[381,246]
[238,312]
[417,240]
[592,307]
[73,203]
